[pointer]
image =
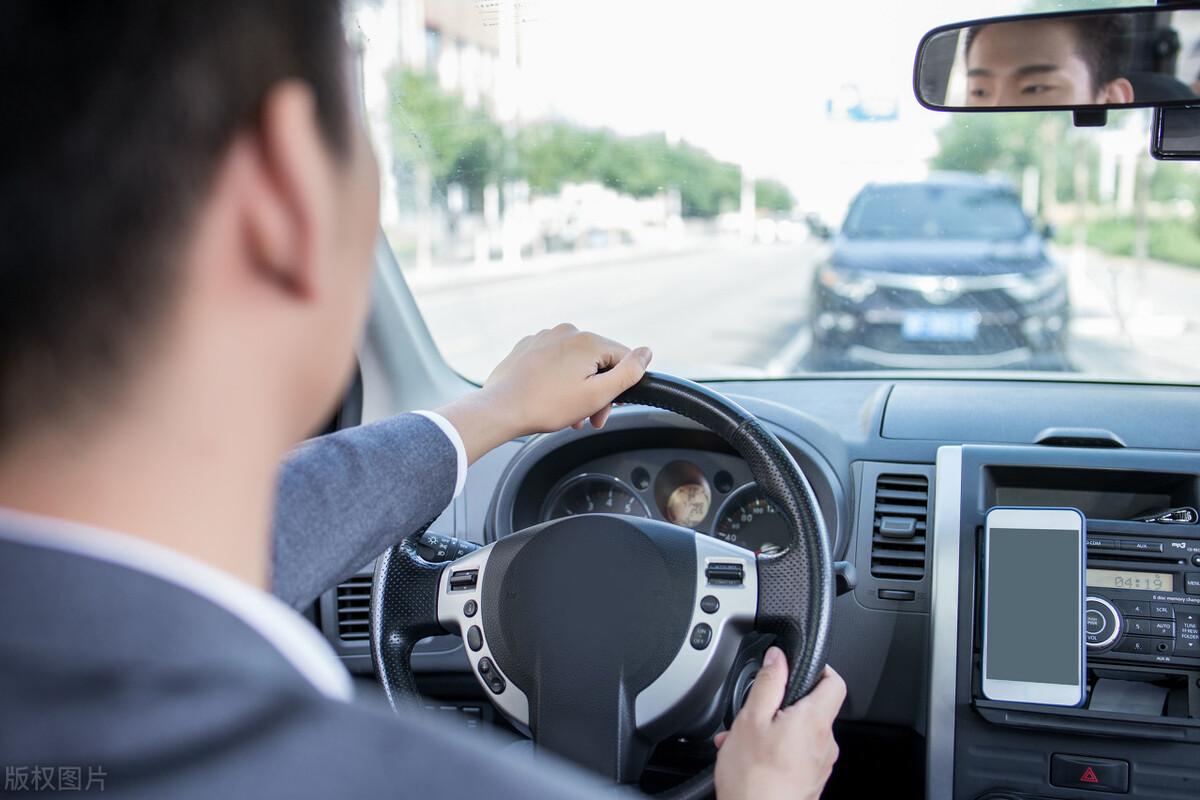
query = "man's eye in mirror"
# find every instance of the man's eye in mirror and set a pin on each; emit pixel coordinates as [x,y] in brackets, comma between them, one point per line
[1069,60]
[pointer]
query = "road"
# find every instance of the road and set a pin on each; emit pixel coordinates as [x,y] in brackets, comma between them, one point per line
[707,313]
[728,310]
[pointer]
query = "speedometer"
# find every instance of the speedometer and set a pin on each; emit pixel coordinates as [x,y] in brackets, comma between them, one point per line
[750,520]
[593,494]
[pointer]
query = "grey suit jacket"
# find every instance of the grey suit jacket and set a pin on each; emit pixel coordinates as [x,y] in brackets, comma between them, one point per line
[168,695]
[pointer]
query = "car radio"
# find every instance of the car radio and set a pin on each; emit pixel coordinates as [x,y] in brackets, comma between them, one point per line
[1143,597]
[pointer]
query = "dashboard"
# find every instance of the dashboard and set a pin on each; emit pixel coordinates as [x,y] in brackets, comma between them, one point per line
[904,470]
[711,492]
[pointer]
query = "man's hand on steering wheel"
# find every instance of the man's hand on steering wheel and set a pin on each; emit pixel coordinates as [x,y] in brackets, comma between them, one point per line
[553,379]
[773,753]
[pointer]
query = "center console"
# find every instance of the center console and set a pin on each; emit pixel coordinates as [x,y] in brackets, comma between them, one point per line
[1138,730]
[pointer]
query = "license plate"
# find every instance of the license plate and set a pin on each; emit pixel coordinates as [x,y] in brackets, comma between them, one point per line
[940,326]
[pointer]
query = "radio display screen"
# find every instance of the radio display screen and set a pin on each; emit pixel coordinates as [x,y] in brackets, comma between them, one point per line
[1128,579]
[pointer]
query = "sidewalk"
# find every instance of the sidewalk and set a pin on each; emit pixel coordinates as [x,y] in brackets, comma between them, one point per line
[1131,320]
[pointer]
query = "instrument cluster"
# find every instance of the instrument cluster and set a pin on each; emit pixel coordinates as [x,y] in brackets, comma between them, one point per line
[714,498]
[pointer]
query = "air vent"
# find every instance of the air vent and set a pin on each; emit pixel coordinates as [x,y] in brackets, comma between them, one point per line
[898,536]
[354,609]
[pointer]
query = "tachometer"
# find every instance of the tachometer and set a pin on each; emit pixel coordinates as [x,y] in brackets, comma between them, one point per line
[593,494]
[750,520]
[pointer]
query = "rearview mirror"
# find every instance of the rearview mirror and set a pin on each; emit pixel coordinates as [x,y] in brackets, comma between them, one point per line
[1123,58]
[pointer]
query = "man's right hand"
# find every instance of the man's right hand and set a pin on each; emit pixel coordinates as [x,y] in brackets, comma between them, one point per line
[772,753]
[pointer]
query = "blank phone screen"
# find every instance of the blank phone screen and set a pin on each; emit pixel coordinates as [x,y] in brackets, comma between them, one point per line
[1034,605]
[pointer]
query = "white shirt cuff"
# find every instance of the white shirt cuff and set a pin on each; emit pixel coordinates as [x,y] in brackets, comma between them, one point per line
[455,439]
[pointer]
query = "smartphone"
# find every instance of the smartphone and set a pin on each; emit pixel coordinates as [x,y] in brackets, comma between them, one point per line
[1033,606]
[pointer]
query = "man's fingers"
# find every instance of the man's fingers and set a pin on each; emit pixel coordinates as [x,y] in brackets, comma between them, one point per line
[829,693]
[826,698]
[601,417]
[769,684]
[628,371]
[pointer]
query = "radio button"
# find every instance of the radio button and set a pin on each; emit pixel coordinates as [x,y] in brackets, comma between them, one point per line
[1191,583]
[1134,608]
[1142,645]
[1187,639]
[1137,627]
[1094,543]
[1142,547]
[1162,627]
[1103,624]
[1161,610]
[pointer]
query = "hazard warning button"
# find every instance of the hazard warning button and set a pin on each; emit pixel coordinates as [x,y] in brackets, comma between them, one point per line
[1084,772]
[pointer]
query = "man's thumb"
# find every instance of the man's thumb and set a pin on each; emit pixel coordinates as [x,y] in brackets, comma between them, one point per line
[628,371]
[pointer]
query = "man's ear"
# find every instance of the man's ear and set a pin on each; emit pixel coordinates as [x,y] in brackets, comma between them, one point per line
[1117,91]
[288,207]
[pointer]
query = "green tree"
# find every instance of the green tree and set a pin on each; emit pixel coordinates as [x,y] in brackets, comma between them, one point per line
[458,144]
[773,196]
[990,142]
[467,146]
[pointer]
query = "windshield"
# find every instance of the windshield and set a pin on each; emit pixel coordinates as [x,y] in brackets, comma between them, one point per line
[935,212]
[752,190]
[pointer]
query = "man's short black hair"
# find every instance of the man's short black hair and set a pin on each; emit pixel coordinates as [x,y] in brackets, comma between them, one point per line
[116,115]
[1103,42]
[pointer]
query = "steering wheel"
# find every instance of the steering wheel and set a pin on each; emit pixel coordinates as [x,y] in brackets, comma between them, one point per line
[602,635]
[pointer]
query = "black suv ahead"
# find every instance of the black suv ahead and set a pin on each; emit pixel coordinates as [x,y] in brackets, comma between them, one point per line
[945,273]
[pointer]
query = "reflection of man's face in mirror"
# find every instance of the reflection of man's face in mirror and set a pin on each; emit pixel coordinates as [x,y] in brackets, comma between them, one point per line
[1045,63]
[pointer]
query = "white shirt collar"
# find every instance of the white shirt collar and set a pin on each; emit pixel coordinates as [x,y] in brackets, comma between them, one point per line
[293,636]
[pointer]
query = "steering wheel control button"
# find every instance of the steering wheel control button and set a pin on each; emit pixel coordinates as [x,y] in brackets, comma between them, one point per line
[463,579]
[1082,772]
[475,638]
[710,604]
[701,636]
[485,667]
[496,684]
[470,608]
[1103,624]
[724,572]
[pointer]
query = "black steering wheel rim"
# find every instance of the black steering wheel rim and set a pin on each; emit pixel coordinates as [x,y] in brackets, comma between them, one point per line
[795,587]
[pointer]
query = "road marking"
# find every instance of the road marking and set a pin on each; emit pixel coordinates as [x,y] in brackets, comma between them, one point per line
[787,359]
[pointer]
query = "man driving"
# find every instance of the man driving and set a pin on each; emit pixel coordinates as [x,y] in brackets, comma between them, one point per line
[189,205]
[1048,62]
